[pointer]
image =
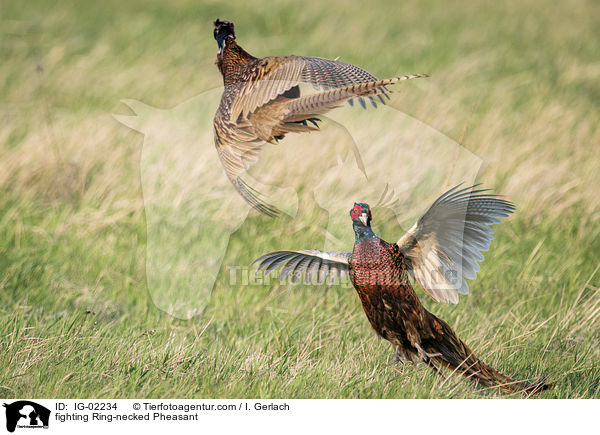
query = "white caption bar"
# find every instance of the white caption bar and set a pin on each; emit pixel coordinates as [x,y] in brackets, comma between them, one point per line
[70,416]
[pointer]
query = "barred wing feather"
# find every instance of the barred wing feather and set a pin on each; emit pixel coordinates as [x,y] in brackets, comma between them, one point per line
[273,76]
[445,246]
[310,262]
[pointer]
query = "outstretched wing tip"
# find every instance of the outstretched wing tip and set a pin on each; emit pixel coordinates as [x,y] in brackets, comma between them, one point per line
[452,235]
[307,262]
[253,198]
[260,266]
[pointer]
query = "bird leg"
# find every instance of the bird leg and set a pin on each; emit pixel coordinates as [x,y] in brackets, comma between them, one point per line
[415,340]
[425,356]
[401,356]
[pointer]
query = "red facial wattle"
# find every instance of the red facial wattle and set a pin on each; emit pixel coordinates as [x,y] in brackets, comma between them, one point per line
[356,211]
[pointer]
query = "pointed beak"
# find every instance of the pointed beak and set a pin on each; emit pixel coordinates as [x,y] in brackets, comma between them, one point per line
[363,219]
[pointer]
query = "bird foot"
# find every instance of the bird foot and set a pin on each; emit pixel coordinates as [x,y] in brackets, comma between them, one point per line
[401,357]
[426,356]
[402,360]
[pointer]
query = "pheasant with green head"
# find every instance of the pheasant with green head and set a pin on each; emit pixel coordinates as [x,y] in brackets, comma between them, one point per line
[440,251]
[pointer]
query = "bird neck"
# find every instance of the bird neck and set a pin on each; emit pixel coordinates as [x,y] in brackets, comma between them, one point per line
[362,232]
[231,60]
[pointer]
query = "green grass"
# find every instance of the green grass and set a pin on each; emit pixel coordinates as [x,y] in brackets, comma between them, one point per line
[514,82]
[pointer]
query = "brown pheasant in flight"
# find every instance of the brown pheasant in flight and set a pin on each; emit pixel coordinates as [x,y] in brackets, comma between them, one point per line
[262,102]
[439,251]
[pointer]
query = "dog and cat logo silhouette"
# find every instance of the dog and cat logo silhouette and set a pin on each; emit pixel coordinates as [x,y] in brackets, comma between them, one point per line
[26,414]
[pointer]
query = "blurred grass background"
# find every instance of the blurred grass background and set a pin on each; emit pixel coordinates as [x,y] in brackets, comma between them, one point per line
[516,83]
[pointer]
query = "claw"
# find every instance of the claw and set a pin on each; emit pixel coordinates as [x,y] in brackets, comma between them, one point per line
[402,357]
[424,355]
[314,121]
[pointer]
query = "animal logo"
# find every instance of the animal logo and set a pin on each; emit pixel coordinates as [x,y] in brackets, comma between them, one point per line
[26,414]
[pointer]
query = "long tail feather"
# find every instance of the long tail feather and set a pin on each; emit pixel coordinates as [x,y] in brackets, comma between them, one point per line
[322,102]
[451,352]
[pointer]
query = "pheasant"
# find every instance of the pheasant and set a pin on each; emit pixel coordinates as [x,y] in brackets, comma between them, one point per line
[449,236]
[262,102]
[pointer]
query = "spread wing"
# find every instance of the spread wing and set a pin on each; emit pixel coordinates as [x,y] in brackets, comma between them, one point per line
[310,262]
[445,246]
[273,76]
[244,121]
[238,148]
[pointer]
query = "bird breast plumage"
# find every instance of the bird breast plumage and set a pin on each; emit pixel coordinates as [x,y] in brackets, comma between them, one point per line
[376,263]
[379,275]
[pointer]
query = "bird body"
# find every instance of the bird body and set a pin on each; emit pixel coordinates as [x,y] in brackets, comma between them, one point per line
[262,101]
[379,275]
[380,272]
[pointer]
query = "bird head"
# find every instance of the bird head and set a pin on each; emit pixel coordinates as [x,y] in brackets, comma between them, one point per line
[361,214]
[223,31]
